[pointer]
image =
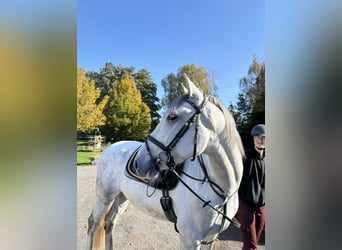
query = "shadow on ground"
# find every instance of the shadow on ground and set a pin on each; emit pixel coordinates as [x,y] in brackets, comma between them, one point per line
[234,234]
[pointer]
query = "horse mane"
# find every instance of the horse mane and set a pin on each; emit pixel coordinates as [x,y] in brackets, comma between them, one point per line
[231,134]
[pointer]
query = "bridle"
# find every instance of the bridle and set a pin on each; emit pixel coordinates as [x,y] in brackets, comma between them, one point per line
[165,156]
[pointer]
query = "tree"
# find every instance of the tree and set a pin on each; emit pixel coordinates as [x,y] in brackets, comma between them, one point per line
[108,75]
[89,113]
[128,118]
[250,108]
[198,75]
[148,91]
[242,112]
[111,73]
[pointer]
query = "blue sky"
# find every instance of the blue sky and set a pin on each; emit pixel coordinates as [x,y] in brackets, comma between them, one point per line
[161,36]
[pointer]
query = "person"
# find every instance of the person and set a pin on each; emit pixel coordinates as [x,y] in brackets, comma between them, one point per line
[252,208]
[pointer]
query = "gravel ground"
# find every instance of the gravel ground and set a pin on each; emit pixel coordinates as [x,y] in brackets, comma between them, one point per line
[135,230]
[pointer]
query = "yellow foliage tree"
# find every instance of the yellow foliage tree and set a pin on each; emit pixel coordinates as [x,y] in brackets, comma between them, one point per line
[89,113]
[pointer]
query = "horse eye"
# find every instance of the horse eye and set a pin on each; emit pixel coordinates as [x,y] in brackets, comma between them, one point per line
[172,117]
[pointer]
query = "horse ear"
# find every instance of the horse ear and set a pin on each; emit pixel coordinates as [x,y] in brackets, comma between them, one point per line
[185,90]
[193,90]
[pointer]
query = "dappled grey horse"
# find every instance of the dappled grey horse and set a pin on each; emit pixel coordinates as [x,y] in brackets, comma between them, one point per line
[198,133]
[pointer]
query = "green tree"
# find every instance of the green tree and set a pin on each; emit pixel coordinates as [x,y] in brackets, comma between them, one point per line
[198,75]
[242,111]
[148,91]
[250,108]
[128,118]
[108,75]
[89,113]
[111,73]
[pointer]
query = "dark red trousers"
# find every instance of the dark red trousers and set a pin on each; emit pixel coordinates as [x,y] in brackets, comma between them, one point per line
[252,220]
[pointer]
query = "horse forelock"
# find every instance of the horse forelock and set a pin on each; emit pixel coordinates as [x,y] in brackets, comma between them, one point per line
[177,103]
[231,134]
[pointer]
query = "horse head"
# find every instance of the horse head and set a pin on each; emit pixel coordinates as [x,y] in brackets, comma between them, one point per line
[188,128]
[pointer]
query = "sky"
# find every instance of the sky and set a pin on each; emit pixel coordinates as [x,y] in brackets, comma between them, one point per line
[220,35]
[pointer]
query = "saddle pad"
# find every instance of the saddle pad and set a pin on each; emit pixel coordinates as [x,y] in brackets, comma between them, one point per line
[167,179]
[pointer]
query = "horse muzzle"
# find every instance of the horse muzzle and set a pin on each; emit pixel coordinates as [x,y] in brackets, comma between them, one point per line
[146,169]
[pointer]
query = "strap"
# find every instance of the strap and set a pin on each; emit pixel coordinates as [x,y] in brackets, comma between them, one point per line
[205,203]
[203,242]
[156,142]
[166,203]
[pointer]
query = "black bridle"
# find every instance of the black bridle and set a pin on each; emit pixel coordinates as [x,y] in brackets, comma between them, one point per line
[166,156]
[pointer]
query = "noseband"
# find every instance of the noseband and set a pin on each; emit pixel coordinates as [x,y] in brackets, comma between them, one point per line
[166,156]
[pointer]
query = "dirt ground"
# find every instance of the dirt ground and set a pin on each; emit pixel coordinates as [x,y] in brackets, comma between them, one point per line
[135,230]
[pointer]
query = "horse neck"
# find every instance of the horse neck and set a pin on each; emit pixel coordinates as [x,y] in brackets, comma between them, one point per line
[223,169]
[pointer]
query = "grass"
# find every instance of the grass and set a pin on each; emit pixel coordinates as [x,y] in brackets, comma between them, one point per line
[83,157]
[85,150]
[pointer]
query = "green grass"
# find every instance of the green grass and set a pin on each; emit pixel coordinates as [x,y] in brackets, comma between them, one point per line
[83,157]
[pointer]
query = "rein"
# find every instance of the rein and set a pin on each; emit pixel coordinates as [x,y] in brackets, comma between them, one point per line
[226,198]
[206,178]
[167,158]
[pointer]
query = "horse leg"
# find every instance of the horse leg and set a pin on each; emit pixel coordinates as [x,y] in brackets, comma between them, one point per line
[195,245]
[94,220]
[119,205]
[207,246]
[188,242]
[195,240]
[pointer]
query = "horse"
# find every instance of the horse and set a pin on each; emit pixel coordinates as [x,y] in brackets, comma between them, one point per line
[198,133]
